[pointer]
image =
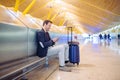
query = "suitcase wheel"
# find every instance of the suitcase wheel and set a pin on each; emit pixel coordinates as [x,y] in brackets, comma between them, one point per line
[74,63]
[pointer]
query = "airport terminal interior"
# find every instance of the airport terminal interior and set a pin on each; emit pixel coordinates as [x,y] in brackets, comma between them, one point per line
[95,30]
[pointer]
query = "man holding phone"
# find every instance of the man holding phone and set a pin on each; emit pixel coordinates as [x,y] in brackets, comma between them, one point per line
[45,45]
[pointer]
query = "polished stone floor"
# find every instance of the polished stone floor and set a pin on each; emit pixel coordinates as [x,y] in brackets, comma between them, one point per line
[99,61]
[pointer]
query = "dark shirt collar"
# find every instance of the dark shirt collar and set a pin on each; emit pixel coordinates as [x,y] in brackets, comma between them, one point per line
[44,29]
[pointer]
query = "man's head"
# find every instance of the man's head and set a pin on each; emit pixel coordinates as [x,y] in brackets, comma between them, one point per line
[47,24]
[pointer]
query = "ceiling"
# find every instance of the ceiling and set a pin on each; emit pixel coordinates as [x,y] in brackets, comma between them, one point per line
[86,16]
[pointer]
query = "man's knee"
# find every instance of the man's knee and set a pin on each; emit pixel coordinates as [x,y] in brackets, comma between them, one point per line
[66,45]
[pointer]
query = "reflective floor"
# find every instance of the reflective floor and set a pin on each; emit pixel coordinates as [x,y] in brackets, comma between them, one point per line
[98,61]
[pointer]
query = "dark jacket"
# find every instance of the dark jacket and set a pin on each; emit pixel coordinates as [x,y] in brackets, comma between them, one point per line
[45,40]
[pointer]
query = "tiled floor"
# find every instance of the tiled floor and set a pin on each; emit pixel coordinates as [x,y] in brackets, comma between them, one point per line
[97,62]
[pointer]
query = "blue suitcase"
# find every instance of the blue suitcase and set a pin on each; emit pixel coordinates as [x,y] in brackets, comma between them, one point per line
[74,56]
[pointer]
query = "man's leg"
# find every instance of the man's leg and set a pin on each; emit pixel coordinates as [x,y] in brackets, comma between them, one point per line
[61,56]
[66,52]
[60,50]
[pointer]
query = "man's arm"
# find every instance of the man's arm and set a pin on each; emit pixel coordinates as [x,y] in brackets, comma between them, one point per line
[42,42]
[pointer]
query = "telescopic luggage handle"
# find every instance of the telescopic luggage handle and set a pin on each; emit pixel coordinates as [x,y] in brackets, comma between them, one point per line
[69,32]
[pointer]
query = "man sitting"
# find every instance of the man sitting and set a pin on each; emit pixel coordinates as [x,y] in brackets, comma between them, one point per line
[45,45]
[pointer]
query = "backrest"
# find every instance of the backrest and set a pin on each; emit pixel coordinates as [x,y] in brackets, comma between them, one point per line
[32,45]
[16,42]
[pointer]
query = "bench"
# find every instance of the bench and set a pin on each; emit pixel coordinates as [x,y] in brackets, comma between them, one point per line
[17,52]
[19,68]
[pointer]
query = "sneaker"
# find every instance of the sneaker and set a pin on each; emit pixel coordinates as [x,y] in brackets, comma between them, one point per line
[66,61]
[64,68]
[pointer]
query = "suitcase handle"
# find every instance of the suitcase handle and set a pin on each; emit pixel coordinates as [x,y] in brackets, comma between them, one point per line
[69,28]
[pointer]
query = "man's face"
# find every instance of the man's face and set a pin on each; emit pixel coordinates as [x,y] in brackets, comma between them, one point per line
[48,26]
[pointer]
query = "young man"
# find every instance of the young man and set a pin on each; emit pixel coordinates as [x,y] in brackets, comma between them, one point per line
[45,44]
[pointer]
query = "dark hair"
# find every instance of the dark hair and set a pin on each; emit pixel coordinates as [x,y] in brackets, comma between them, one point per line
[46,22]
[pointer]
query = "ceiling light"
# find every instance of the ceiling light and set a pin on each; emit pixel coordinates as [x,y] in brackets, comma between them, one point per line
[57,1]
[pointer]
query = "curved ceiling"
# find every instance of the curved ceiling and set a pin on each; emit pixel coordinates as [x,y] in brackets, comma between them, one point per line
[90,16]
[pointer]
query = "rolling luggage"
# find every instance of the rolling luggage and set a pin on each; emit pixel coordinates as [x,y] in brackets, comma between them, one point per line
[74,56]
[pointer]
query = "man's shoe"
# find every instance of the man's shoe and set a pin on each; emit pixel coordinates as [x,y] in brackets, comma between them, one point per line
[66,61]
[61,66]
[64,68]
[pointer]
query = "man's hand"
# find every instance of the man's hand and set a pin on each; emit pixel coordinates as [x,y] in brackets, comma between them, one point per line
[55,39]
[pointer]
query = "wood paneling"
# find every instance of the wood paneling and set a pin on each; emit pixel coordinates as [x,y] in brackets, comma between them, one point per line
[95,13]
